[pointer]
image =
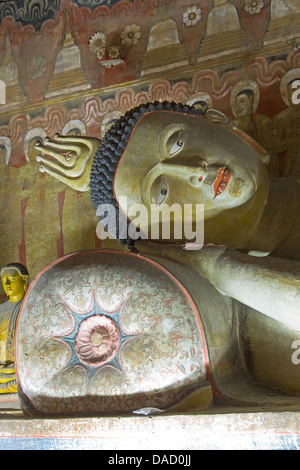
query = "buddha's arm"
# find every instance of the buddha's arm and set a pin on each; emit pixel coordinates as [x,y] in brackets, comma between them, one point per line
[269,285]
[68,159]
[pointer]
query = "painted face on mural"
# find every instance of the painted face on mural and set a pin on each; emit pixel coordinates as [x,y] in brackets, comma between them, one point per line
[244,103]
[177,158]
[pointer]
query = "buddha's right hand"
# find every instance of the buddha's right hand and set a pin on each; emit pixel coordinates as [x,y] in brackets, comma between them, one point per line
[68,159]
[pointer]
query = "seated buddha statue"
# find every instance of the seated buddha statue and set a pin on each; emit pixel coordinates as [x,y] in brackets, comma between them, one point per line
[15,278]
[247,268]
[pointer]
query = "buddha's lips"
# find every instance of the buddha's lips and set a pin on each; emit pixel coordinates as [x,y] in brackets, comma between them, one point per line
[221,181]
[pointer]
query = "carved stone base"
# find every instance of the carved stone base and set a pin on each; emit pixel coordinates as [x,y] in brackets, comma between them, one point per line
[217,430]
[9,401]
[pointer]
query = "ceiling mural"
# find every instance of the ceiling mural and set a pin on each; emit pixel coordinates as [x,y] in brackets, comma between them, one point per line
[36,12]
[115,42]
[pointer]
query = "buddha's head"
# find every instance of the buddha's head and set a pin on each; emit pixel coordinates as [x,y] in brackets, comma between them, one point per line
[164,154]
[15,280]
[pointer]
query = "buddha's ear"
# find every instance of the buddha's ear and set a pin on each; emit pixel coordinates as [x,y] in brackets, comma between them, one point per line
[220,118]
[26,282]
[216,116]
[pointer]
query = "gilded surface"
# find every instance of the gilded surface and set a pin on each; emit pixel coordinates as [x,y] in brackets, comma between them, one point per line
[14,278]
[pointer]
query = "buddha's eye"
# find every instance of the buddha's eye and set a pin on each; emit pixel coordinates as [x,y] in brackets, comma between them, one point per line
[176,144]
[159,191]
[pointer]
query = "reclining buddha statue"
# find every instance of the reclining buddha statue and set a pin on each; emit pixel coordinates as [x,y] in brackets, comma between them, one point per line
[172,323]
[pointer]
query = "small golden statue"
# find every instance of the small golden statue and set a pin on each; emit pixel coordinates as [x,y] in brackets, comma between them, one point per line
[15,279]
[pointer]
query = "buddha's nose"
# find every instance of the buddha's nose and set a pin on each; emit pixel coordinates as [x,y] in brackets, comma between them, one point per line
[183,170]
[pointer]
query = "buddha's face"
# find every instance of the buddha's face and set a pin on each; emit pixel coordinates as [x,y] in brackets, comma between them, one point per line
[177,158]
[13,283]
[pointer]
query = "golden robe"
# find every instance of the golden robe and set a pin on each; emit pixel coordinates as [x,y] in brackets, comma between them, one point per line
[9,312]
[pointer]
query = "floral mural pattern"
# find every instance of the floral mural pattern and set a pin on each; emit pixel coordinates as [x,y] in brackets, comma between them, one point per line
[191,16]
[253,7]
[130,34]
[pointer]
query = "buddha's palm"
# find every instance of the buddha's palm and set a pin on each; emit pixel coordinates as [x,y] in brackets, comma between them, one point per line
[68,159]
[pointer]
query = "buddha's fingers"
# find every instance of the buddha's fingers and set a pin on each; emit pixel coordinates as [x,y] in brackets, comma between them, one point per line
[91,143]
[68,160]
[62,147]
[74,183]
[55,168]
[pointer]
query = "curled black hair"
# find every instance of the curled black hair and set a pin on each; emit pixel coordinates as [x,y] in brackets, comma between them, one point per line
[111,149]
[22,270]
[18,266]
